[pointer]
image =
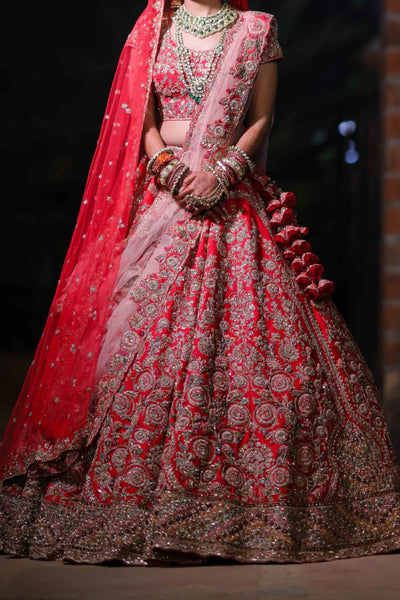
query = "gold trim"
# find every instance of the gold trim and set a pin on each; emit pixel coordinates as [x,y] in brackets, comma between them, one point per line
[167,531]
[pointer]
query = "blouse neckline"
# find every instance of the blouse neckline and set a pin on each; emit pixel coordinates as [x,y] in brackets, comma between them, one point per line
[191,50]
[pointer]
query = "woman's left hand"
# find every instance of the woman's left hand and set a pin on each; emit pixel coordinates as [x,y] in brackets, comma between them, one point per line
[200,183]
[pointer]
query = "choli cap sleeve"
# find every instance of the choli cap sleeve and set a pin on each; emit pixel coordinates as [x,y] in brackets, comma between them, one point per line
[272,50]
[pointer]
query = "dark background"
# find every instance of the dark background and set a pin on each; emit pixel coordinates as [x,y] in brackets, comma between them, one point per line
[57,67]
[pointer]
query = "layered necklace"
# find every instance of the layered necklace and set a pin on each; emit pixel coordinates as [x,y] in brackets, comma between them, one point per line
[201,27]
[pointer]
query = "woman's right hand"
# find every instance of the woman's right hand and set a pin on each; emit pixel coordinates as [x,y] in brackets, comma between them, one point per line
[216,213]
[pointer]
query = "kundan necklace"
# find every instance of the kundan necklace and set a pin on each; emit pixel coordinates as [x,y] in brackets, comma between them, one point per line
[197,85]
[202,27]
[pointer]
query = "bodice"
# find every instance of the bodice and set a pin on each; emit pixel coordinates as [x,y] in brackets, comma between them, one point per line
[173,99]
[174,102]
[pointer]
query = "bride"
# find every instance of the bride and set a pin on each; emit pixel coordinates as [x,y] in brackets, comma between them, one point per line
[195,392]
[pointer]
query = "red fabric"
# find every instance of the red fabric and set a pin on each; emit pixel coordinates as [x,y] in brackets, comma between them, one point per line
[175,102]
[208,348]
[55,412]
[54,407]
[240,4]
[54,404]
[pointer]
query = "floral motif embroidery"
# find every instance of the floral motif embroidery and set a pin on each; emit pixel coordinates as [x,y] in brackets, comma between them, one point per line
[174,102]
[258,420]
[238,417]
[245,70]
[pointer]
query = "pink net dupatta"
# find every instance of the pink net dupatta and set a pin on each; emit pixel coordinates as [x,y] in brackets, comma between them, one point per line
[51,416]
[219,119]
[216,121]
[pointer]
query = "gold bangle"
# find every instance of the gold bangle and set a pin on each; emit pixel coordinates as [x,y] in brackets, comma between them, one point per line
[153,159]
[218,177]
[250,163]
[167,170]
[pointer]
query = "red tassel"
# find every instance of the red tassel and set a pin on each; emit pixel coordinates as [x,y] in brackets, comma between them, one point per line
[289,254]
[273,206]
[283,217]
[294,232]
[298,265]
[311,291]
[300,246]
[303,280]
[326,287]
[289,233]
[310,259]
[315,271]
[282,238]
[288,199]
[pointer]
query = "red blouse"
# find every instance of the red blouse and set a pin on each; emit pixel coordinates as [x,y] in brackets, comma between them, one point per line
[174,102]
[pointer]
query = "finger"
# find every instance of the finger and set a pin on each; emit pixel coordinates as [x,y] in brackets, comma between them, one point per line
[190,177]
[185,191]
[188,180]
[210,213]
[196,211]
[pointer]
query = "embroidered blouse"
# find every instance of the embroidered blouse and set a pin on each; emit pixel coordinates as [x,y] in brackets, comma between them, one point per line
[174,102]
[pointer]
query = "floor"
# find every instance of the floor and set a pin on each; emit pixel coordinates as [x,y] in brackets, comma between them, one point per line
[370,578]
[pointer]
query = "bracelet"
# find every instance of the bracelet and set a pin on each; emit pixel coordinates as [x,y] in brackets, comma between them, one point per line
[250,163]
[220,178]
[163,176]
[175,178]
[237,166]
[167,151]
[227,172]
[196,202]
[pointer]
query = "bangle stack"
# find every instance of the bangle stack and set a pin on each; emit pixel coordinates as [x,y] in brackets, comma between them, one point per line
[221,180]
[160,159]
[174,177]
[232,168]
[168,170]
[237,154]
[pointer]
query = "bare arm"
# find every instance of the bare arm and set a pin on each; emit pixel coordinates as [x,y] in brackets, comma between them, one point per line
[260,116]
[151,138]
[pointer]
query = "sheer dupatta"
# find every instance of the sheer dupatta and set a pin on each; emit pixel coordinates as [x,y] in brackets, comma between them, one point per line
[146,274]
[51,413]
[217,123]
[54,414]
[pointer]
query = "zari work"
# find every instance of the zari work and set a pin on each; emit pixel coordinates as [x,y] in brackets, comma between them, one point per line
[233,415]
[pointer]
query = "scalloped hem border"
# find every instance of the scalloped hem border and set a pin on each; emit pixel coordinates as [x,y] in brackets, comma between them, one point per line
[176,553]
[175,530]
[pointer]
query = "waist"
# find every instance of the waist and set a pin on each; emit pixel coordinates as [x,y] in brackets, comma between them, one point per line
[174,132]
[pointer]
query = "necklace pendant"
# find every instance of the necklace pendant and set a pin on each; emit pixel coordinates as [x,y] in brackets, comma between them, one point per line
[199,85]
[197,99]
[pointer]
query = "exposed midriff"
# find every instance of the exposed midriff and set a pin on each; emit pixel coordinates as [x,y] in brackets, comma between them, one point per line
[175,105]
[174,132]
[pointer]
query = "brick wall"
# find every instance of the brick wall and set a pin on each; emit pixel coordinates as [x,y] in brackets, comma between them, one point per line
[390,309]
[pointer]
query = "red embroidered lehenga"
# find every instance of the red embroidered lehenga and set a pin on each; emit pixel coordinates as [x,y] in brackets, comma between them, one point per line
[195,392]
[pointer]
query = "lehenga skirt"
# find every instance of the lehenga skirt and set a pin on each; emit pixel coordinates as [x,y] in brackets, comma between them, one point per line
[242,421]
